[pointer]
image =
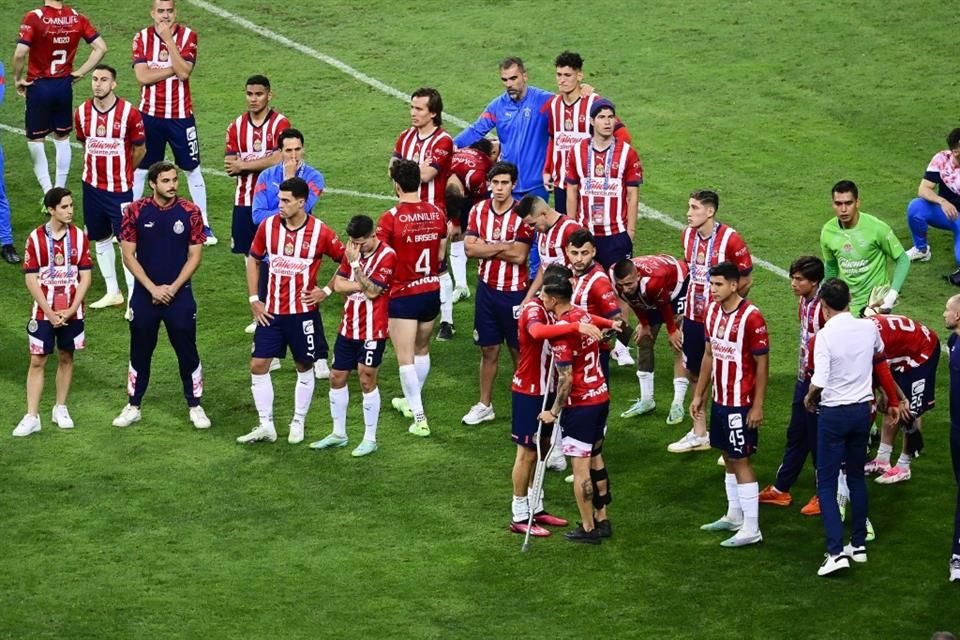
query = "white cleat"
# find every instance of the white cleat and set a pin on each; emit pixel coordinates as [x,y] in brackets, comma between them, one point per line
[109,300]
[955,568]
[127,417]
[61,417]
[321,370]
[916,255]
[275,364]
[832,564]
[478,413]
[250,328]
[296,432]
[622,355]
[262,433]
[460,293]
[28,424]
[690,442]
[199,417]
[857,554]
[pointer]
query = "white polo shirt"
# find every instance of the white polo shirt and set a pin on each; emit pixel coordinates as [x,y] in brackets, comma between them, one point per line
[843,357]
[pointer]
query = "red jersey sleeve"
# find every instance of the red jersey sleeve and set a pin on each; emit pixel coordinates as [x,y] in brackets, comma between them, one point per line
[231,146]
[189,50]
[81,136]
[757,341]
[739,254]
[385,228]
[332,246]
[620,132]
[383,274]
[88,31]
[197,236]
[604,298]
[473,226]
[282,125]
[441,154]
[344,269]
[128,224]
[258,248]
[524,234]
[136,134]
[532,318]
[83,260]
[31,261]
[139,54]
[573,175]
[563,349]
[27,27]
[633,175]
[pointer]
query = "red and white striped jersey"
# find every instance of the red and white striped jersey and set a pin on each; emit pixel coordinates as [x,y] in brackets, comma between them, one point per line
[58,273]
[552,243]
[593,292]
[583,354]
[568,126]
[603,178]
[735,339]
[906,343]
[488,225]
[108,139]
[435,150]
[53,36]
[532,375]
[168,98]
[416,231]
[659,283]
[810,314]
[723,245]
[363,318]
[249,141]
[294,256]
[471,166]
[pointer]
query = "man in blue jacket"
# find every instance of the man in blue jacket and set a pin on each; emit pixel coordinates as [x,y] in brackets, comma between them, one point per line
[266,195]
[7,250]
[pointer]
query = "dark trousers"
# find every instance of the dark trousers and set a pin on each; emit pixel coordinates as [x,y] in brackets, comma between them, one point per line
[955,455]
[180,319]
[842,438]
[801,439]
[323,347]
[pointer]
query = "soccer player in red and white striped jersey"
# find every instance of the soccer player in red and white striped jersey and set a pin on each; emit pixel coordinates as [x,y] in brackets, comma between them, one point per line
[364,279]
[111,132]
[57,267]
[164,55]
[736,361]
[499,239]
[553,230]
[294,243]
[706,243]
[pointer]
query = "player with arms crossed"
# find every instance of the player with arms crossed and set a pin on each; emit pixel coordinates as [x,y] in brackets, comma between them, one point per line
[735,359]
[417,231]
[46,48]
[57,267]
[364,279]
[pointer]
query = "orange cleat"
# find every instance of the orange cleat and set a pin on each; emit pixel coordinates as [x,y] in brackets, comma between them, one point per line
[812,508]
[771,496]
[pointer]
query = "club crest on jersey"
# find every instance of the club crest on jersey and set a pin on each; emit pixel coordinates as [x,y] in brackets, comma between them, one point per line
[58,259]
[178,227]
[101,130]
[288,249]
[257,146]
[568,124]
[164,55]
[599,170]
[847,247]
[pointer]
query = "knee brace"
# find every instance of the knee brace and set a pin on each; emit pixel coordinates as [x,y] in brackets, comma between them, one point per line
[597,476]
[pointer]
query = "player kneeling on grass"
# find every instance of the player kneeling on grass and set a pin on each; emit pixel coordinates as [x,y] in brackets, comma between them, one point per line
[364,278]
[57,267]
[735,359]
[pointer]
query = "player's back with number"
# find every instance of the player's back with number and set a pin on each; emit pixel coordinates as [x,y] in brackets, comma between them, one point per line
[907,344]
[53,36]
[583,354]
[416,231]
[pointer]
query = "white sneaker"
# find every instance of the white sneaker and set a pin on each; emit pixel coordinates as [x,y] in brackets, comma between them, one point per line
[857,554]
[832,564]
[916,255]
[127,417]
[955,569]
[29,424]
[250,328]
[108,300]
[61,417]
[690,442]
[262,432]
[296,432]
[721,462]
[556,461]
[275,364]
[478,413]
[622,355]
[460,293]
[321,369]
[199,417]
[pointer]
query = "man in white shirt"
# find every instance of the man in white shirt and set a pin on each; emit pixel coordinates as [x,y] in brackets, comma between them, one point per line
[848,352]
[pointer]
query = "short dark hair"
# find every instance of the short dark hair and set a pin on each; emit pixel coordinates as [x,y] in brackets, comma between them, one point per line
[846,186]
[528,204]
[157,168]
[512,61]
[296,186]
[835,293]
[953,139]
[726,270]
[454,200]
[53,197]
[360,226]
[503,167]
[569,59]
[623,268]
[581,237]
[560,288]
[557,270]
[434,102]
[107,68]
[707,198]
[287,134]
[406,173]
[810,267]
[482,145]
[259,79]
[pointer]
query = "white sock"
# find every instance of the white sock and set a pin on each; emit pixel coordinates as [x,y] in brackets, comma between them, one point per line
[371,414]
[422,365]
[411,391]
[734,512]
[646,385]
[339,399]
[107,263]
[303,394]
[521,509]
[262,388]
[883,452]
[458,263]
[446,297]
[128,276]
[680,391]
[198,192]
[904,460]
[749,495]
[139,183]
[64,153]
[842,487]
[38,154]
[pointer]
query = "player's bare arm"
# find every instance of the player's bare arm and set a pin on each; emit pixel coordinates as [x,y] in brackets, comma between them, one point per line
[633,201]
[812,400]
[745,283]
[86,277]
[928,191]
[514,252]
[98,49]
[259,310]
[477,248]
[180,67]
[234,166]
[128,250]
[564,385]
[147,76]
[33,286]
[573,200]
[139,150]
[755,415]
[20,56]
[706,372]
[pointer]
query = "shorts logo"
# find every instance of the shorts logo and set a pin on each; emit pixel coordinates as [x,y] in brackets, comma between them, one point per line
[370,345]
[308,327]
[32,326]
[178,227]
[516,312]
[735,421]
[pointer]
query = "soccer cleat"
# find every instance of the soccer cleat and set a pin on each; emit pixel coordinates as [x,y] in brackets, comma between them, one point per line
[638,408]
[916,255]
[263,432]
[28,424]
[604,528]
[446,332]
[108,300]
[556,461]
[770,495]
[199,418]
[535,530]
[61,417]
[295,436]
[812,508]
[478,413]
[690,442]
[10,254]
[742,539]
[275,364]
[955,568]
[365,448]
[721,462]
[549,519]
[250,328]
[582,536]
[954,278]
[460,293]
[321,370]
[419,429]
[723,524]
[332,440]
[857,554]
[894,475]
[676,414]
[622,356]
[211,239]
[401,405]
[832,564]
[127,417]
[842,501]
[871,534]
[569,479]
[876,466]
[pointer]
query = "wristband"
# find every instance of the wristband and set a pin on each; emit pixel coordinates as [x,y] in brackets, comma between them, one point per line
[327,290]
[253,298]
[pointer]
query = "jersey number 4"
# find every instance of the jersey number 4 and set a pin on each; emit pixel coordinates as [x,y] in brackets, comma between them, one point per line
[423,263]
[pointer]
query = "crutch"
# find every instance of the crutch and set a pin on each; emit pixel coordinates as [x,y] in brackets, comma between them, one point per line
[541,468]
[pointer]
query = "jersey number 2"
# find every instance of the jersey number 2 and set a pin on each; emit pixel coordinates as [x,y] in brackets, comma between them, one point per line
[59,59]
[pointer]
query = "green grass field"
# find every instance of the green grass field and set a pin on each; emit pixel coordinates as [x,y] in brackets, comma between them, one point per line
[159,531]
